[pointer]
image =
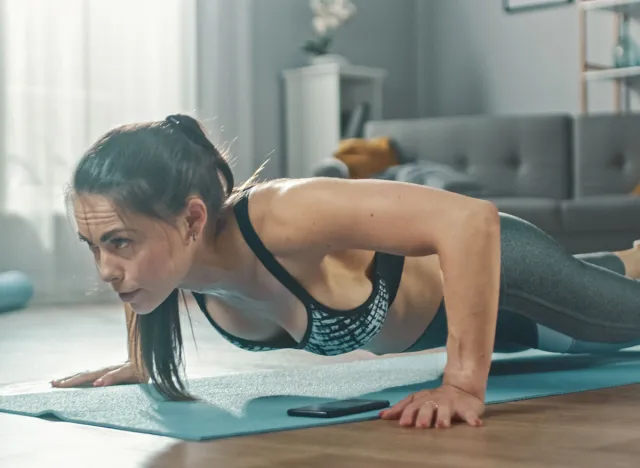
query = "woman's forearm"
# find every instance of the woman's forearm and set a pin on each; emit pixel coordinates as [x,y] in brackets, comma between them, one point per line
[470,261]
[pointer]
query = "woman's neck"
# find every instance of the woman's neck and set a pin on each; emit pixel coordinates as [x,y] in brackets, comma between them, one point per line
[220,261]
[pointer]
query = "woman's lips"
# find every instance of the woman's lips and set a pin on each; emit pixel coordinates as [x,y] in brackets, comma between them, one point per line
[128,297]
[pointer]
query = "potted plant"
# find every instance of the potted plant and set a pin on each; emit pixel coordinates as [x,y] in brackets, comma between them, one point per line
[328,17]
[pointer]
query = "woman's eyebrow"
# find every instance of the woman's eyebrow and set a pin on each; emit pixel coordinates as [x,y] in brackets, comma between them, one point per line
[106,236]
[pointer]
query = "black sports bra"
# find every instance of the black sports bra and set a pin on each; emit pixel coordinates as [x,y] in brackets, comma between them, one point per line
[329,331]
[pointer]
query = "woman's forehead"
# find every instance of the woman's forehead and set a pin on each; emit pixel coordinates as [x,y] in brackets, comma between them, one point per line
[99,217]
[95,215]
[87,204]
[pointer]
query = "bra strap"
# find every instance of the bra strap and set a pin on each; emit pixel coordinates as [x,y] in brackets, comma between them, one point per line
[252,239]
[390,267]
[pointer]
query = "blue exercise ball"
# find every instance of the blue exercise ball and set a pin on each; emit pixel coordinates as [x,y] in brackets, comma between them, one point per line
[16,290]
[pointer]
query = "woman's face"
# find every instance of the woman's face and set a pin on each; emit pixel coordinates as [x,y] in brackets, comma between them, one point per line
[142,259]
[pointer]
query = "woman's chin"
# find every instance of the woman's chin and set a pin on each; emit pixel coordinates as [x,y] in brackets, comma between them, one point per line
[142,304]
[141,307]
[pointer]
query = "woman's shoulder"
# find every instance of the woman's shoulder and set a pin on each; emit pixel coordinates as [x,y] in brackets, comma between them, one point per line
[257,199]
[284,192]
[265,210]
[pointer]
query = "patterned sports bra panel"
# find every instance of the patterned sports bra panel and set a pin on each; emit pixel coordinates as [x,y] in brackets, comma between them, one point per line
[329,331]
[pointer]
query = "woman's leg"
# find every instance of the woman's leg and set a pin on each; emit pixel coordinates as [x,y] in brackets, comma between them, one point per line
[631,260]
[554,301]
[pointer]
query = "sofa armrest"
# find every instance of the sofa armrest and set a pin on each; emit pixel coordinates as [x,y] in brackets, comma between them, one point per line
[606,154]
[331,167]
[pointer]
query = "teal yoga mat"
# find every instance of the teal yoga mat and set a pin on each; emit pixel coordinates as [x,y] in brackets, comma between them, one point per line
[241,404]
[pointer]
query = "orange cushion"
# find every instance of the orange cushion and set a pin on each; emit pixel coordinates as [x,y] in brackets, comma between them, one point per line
[636,191]
[366,157]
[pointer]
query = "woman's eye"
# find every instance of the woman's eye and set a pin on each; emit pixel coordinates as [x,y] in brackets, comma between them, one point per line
[120,243]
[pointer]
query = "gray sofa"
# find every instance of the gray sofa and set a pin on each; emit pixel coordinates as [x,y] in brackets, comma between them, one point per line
[570,176]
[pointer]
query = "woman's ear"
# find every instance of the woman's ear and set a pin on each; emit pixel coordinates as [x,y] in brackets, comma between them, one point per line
[195,217]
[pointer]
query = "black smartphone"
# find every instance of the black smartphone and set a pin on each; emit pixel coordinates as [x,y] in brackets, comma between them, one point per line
[337,408]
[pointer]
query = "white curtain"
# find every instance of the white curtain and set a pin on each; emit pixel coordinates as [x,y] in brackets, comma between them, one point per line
[225,76]
[69,71]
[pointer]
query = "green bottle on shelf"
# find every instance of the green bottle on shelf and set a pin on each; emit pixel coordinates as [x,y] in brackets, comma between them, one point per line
[626,52]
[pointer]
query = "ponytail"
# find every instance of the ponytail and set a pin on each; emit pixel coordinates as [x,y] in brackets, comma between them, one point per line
[195,133]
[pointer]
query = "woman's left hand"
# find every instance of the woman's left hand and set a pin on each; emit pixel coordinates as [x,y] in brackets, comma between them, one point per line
[437,408]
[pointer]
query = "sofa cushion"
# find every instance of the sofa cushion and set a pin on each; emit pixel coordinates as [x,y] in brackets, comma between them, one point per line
[527,156]
[542,212]
[601,213]
[435,175]
[607,154]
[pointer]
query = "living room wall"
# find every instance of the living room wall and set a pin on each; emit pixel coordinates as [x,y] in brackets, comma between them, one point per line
[279,29]
[488,61]
[262,38]
[453,57]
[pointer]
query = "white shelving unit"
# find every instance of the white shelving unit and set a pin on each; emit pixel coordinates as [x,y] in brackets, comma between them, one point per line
[612,73]
[316,98]
[617,6]
[622,11]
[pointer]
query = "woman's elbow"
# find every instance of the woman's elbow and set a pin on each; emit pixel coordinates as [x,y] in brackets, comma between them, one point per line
[480,220]
[489,215]
[483,225]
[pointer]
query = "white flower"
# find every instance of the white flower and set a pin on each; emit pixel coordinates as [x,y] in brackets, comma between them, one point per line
[319,26]
[342,9]
[332,22]
[330,14]
[319,7]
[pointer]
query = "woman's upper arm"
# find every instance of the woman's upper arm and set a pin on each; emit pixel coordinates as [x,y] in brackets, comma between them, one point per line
[394,217]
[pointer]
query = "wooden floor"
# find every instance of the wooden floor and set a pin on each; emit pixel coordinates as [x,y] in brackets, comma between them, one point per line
[591,429]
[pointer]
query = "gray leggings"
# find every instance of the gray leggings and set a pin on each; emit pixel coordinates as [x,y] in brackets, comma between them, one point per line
[554,301]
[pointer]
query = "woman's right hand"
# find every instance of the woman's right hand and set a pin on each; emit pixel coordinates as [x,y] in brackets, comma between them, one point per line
[126,373]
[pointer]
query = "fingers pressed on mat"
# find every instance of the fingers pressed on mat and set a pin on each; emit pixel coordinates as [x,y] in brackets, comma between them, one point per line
[443,417]
[110,378]
[396,410]
[77,379]
[409,414]
[426,415]
[472,418]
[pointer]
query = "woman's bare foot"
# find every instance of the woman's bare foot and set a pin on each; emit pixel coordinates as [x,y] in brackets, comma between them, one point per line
[631,260]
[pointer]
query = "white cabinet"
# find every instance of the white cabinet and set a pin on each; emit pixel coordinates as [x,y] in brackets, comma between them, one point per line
[318,99]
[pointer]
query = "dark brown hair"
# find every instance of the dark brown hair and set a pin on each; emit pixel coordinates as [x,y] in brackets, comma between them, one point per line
[151,169]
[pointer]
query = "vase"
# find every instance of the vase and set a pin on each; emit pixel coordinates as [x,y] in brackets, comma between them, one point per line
[626,52]
[328,58]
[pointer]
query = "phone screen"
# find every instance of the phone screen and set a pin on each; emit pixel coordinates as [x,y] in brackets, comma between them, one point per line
[336,408]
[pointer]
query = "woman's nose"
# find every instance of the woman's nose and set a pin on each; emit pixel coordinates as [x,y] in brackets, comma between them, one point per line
[109,270]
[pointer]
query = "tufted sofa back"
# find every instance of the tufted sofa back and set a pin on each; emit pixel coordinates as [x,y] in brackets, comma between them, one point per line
[523,156]
[607,152]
